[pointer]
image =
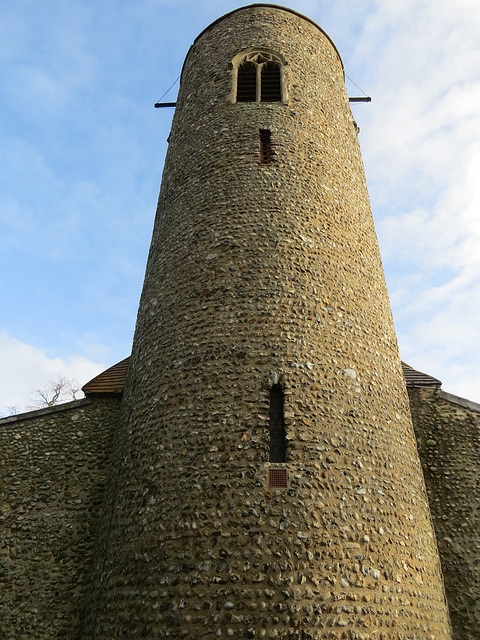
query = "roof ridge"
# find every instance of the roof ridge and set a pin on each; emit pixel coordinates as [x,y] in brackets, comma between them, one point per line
[112,380]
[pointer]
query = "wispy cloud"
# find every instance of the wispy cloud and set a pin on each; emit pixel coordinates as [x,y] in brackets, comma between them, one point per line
[25,368]
[422,152]
[81,150]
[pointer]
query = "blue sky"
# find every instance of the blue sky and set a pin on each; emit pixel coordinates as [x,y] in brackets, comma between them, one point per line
[81,157]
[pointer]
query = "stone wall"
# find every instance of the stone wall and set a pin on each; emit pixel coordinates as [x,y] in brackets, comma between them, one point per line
[448,436]
[54,464]
[53,470]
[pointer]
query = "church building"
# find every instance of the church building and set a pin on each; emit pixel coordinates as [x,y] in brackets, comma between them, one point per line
[262,465]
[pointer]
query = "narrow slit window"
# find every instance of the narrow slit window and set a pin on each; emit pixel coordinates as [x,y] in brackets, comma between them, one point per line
[265,146]
[277,425]
[271,84]
[247,82]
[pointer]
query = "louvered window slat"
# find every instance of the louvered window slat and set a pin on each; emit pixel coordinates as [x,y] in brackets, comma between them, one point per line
[271,90]
[247,82]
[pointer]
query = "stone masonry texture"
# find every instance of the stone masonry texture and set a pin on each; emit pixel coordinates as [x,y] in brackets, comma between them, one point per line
[448,438]
[53,471]
[46,601]
[262,274]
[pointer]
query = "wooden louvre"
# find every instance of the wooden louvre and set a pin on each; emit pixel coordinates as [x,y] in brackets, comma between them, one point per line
[247,82]
[271,87]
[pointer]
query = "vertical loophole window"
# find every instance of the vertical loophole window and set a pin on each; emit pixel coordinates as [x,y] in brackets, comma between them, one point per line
[247,82]
[265,146]
[271,84]
[277,425]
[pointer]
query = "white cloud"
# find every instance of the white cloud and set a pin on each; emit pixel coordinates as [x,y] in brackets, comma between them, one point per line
[83,147]
[421,144]
[25,368]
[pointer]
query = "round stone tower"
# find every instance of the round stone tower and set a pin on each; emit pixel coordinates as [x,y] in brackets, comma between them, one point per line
[266,481]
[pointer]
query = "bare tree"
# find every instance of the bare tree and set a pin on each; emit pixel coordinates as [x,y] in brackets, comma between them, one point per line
[13,410]
[56,391]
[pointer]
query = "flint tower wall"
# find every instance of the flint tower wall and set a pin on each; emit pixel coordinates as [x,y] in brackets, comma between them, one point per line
[264,341]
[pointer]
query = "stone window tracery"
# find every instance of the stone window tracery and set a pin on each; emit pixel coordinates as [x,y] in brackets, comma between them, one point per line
[258,77]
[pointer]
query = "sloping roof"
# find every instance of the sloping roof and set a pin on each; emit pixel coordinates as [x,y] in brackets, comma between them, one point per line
[415,378]
[110,381]
[113,380]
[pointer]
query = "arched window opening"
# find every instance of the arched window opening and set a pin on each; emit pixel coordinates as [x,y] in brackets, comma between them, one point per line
[258,77]
[277,425]
[247,82]
[271,82]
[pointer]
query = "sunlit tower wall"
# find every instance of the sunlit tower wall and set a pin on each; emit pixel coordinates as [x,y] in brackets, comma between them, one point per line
[267,482]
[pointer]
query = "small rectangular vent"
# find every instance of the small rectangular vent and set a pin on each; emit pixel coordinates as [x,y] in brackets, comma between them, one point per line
[277,478]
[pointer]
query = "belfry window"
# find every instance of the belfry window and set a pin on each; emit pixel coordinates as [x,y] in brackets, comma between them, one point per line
[258,77]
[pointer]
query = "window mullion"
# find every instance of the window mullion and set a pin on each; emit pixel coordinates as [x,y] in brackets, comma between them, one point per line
[259,83]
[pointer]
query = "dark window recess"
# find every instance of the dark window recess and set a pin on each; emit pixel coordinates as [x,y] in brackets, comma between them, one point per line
[247,82]
[277,425]
[265,146]
[277,478]
[271,89]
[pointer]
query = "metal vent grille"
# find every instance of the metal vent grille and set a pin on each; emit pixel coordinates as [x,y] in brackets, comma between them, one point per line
[277,478]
